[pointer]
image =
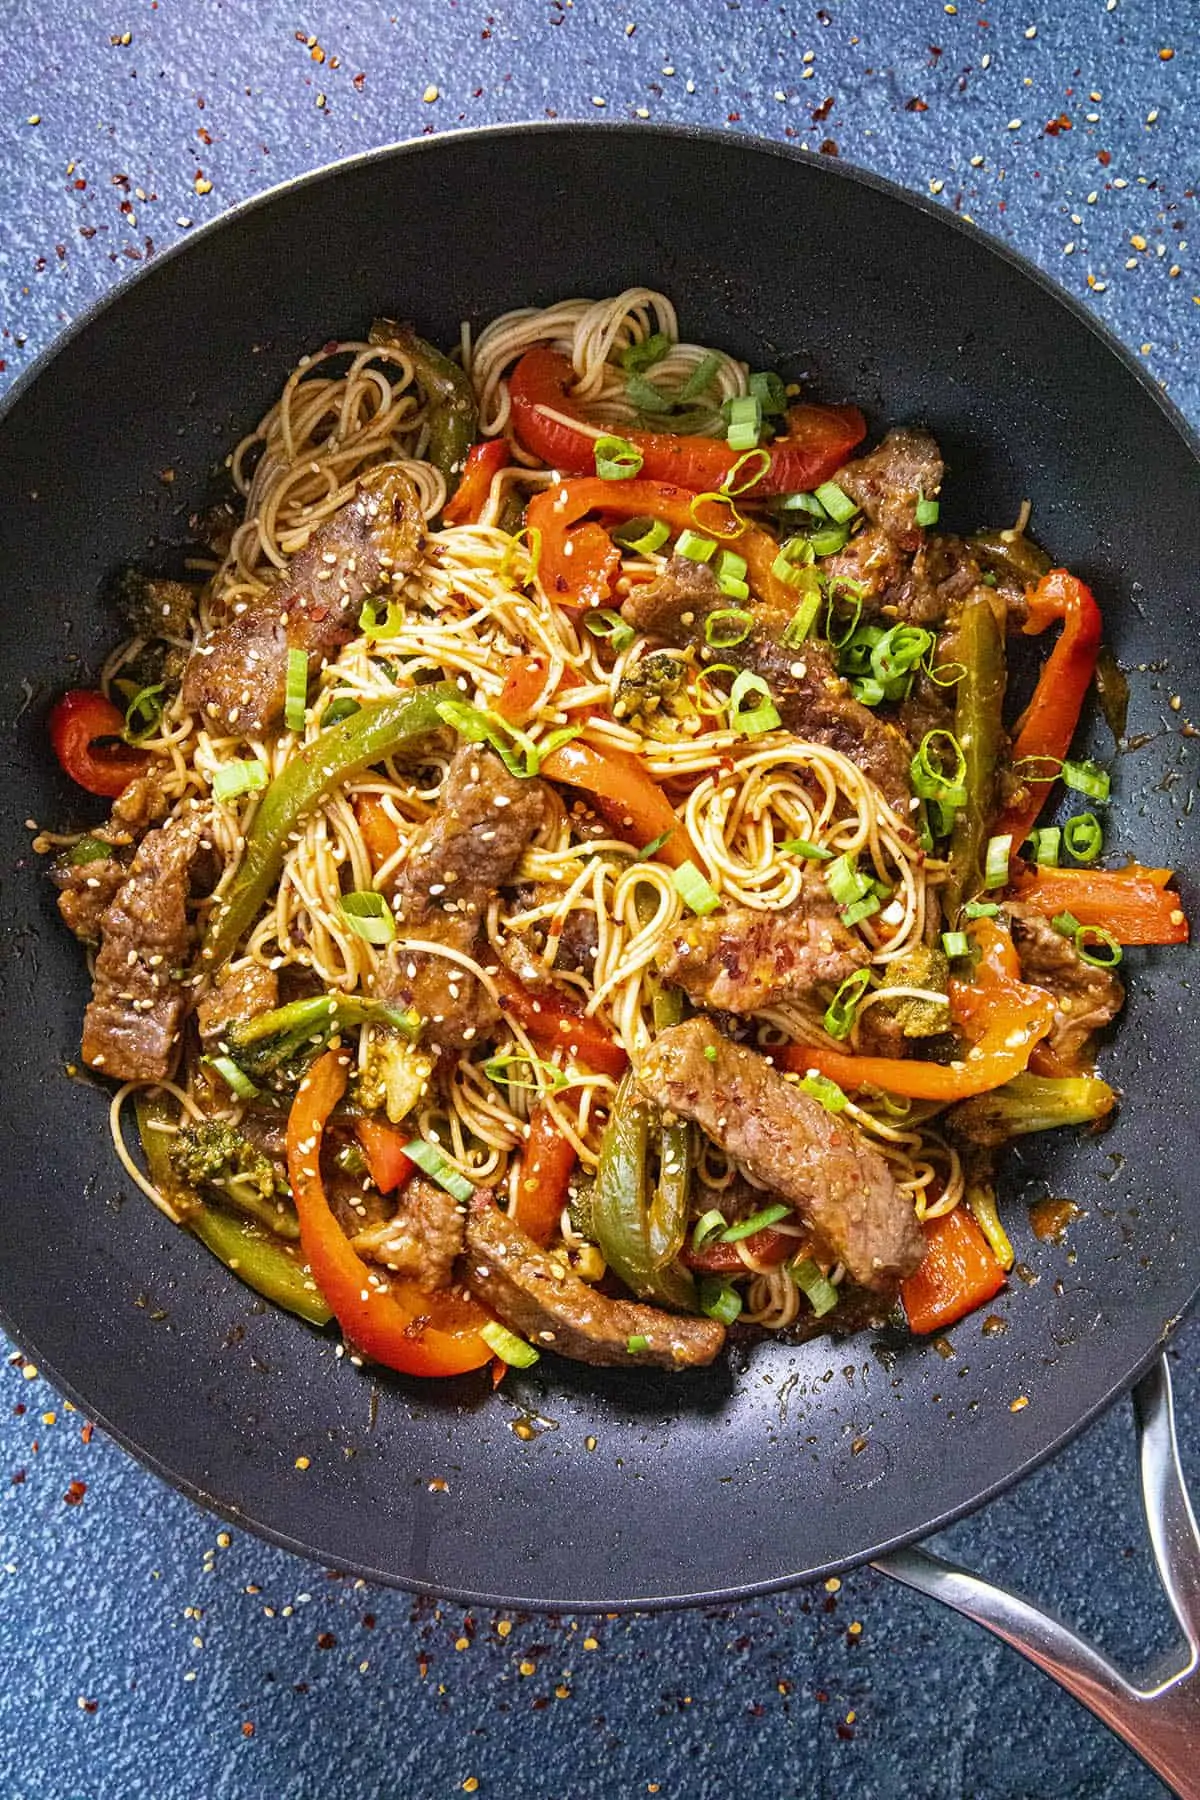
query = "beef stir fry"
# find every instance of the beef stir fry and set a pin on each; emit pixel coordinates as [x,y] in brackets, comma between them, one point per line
[576,880]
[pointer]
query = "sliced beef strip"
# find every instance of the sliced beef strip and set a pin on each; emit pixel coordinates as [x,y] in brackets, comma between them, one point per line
[889,481]
[535,1294]
[423,1240]
[1086,998]
[740,960]
[242,992]
[812,699]
[483,822]
[85,892]
[788,1142]
[138,806]
[236,679]
[131,1027]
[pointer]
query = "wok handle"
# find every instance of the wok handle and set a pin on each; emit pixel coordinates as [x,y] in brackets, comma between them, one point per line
[1159,1718]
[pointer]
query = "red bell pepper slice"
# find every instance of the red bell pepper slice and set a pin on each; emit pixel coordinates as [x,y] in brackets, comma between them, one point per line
[818,440]
[766,1246]
[78,721]
[554,1023]
[383,1146]
[484,462]
[378,828]
[524,682]
[400,1326]
[624,795]
[1133,903]
[1048,724]
[958,1274]
[579,567]
[547,1164]
[1001,1016]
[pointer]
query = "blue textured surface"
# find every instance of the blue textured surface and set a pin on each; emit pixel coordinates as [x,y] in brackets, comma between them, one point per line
[144,1651]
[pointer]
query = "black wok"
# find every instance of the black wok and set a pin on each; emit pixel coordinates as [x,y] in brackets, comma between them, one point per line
[632,1489]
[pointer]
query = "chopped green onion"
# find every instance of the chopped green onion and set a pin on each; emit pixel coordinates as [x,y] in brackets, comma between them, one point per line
[845,592]
[980,909]
[933,783]
[732,566]
[745,417]
[297,690]
[1087,778]
[845,880]
[339,708]
[700,377]
[479,727]
[510,1348]
[733,483]
[88,850]
[726,627]
[708,1226]
[616,458]
[710,1053]
[898,653]
[802,503]
[805,847]
[769,391]
[1066,924]
[496,1068]
[836,502]
[369,916]
[802,621]
[827,1093]
[817,1289]
[858,910]
[643,535]
[235,778]
[694,890]
[1083,837]
[732,588]
[867,691]
[843,1008]
[603,622]
[636,1343]
[652,849]
[1091,938]
[855,657]
[744,1228]
[1037,768]
[235,1078]
[430,1158]
[695,544]
[927,511]
[1044,845]
[388,626]
[787,568]
[646,397]
[956,943]
[827,540]
[636,357]
[996,861]
[752,721]
[719,1299]
[143,713]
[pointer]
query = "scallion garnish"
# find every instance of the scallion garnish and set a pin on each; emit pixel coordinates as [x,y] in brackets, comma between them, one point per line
[786,567]
[867,691]
[143,714]
[896,656]
[744,1228]
[926,511]
[719,1299]
[505,1344]
[806,848]
[695,544]
[694,889]
[233,779]
[843,1008]
[745,417]
[708,1226]
[836,501]
[980,909]
[817,1289]
[807,503]
[636,357]
[369,916]
[1044,845]
[799,626]
[932,782]
[700,377]
[845,880]
[1066,924]
[731,567]
[372,625]
[616,458]
[843,593]
[752,721]
[1084,837]
[759,460]
[646,397]
[996,861]
[636,1342]
[497,1068]
[430,1158]
[858,910]
[1087,778]
[643,535]
[603,622]
[769,391]
[827,540]
[88,850]
[650,850]
[236,1079]
[1090,939]
[827,1093]
[726,627]
[296,702]
[956,943]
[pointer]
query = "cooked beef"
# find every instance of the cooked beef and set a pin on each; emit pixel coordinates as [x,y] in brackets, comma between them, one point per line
[536,1294]
[789,1143]
[85,891]
[1086,998]
[237,677]
[888,482]
[131,1026]
[241,992]
[921,588]
[138,806]
[812,699]
[423,1240]
[875,563]
[484,820]
[740,960]
[574,948]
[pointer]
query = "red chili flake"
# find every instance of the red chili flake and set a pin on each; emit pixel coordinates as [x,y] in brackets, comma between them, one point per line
[87,231]
[845,1733]
[1104,157]
[1062,123]
[358,81]
[828,147]
[19,1410]
[821,1697]
[822,112]
[75,1492]
[89,1706]
[326,1641]
[368,1620]
[204,135]
[733,118]
[935,51]
[80,184]
[916,104]
[18,1479]
[86,1433]
[247,1728]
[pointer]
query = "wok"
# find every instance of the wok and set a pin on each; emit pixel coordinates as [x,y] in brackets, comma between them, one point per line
[632,1488]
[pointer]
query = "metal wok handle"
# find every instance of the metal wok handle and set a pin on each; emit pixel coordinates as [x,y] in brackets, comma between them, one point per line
[1160,1719]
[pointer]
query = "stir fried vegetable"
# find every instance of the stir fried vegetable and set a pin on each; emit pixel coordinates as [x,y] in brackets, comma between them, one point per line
[451,412]
[1031,1103]
[276,1047]
[979,697]
[958,1274]
[87,735]
[1134,903]
[547,1165]
[634,1227]
[484,463]
[623,793]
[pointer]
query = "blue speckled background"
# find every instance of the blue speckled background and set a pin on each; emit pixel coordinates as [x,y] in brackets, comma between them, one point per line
[144,1651]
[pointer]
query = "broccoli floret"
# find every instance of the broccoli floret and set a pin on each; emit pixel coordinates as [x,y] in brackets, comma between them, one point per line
[214,1151]
[276,1048]
[652,683]
[1031,1103]
[394,1076]
[924,966]
[155,608]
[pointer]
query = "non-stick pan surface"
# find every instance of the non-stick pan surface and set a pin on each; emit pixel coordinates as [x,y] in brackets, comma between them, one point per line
[632,1488]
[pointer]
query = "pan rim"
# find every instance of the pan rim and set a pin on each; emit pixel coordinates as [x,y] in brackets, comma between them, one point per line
[1047,286]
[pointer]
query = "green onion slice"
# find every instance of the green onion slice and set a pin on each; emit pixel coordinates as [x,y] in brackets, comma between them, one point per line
[996,861]
[727,626]
[843,1008]
[770,1215]
[700,377]
[430,1158]
[799,626]
[603,622]
[1087,778]
[769,391]
[752,721]
[807,503]
[695,544]
[236,1079]
[88,850]
[694,889]
[369,916]
[1066,924]
[805,847]
[843,593]
[1084,837]
[479,727]
[858,910]
[827,1093]
[645,535]
[827,540]
[817,1289]
[635,1343]
[616,458]
[926,512]
[867,691]
[497,1068]
[646,397]
[1044,845]
[745,417]
[143,714]
[956,943]
[636,357]
[980,909]
[708,1226]
[374,625]
[719,1299]
[1098,947]
[758,460]
[235,778]
[297,690]
[932,782]
[836,502]
[510,1348]
[652,849]
[845,880]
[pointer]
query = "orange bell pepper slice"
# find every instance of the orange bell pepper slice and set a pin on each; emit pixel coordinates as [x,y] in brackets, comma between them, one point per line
[1133,903]
[624,795]
[547,1165]
[484,462]
[554,1023]
[383,1146]
[959,1273]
